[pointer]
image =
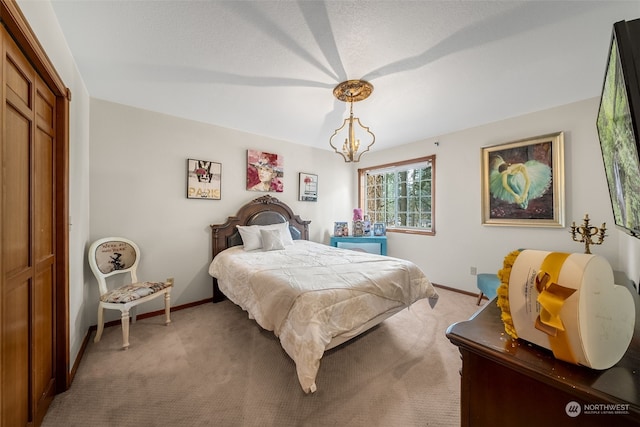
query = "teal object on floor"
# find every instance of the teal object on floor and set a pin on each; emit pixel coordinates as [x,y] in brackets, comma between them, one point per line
[488,285]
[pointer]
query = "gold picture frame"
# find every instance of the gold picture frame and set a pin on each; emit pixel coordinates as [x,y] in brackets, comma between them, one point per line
[523,182]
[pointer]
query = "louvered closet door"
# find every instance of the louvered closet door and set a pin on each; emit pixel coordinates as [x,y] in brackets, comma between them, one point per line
[28,242]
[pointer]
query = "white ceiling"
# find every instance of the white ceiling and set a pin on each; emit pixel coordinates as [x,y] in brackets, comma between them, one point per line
[269,67]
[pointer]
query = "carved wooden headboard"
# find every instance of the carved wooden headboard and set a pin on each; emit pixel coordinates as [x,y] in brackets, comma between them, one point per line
[264,210]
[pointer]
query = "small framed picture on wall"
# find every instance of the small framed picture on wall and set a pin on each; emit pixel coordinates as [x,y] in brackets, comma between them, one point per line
[265,171]
[203,179]
[308,187]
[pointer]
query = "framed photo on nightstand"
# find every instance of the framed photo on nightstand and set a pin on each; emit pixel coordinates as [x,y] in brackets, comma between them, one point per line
[340,229]
[379,229]
[358,228]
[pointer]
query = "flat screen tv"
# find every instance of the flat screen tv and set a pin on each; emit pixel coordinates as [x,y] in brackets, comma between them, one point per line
[617,124]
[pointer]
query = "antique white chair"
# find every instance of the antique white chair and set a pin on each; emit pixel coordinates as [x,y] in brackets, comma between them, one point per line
[116,255]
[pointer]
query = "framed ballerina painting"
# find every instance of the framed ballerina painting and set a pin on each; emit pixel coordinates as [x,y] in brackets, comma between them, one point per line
[523,182]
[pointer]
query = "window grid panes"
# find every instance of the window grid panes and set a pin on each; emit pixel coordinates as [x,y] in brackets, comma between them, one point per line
[400,196]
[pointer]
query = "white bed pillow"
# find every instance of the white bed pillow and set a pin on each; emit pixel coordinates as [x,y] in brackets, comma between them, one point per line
[252,239]
[283,228]
[271,240]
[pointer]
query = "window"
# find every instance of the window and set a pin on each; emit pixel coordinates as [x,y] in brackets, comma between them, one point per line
[400,195]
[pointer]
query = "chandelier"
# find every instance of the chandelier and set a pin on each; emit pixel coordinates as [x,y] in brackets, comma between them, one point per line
[352,91]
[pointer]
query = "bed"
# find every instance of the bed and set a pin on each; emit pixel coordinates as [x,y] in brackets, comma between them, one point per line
[312,296]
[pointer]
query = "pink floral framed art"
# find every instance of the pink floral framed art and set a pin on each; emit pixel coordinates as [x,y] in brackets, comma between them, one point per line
[264,171]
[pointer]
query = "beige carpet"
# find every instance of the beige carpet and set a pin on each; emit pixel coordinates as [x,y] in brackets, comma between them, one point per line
[215,367]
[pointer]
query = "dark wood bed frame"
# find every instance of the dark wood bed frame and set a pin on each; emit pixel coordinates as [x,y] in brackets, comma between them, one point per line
[264,210]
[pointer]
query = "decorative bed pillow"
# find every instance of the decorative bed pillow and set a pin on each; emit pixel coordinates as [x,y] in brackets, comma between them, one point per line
[271,240]
[252,239]
[285,233]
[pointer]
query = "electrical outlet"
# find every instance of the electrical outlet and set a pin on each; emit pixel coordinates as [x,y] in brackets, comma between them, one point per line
[473,271]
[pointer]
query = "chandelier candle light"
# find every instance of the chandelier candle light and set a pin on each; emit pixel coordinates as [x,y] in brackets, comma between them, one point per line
[587,232]
[352,91]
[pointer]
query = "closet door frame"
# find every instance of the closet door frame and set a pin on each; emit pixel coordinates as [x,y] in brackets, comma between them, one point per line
[17,25]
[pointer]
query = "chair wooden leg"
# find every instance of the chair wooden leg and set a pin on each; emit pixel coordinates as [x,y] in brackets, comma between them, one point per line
[167,308]
[124,319]
[480,295]
[100,324]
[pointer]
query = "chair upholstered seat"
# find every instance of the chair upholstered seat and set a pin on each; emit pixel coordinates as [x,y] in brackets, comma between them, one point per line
[134,291]
[488,285]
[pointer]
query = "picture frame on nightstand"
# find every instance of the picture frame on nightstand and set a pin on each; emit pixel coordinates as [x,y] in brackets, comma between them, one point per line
[358,228]
[340,229]
[379,229]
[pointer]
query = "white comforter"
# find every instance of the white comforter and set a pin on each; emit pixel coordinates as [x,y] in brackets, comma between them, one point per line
[309,293]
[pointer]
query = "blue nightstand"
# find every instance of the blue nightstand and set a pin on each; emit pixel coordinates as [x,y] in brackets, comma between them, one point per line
[371,244]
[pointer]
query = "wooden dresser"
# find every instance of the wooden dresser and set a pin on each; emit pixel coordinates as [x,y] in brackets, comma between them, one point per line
[509,382]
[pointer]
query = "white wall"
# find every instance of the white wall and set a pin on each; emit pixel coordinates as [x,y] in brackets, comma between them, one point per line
[138,190]
[461,241]
[44,23]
